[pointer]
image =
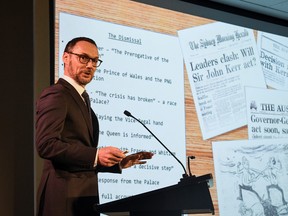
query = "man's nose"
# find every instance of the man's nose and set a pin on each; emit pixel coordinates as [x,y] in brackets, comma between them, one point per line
[89,63]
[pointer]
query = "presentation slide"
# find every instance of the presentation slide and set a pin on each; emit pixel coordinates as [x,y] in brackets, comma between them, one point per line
[198,84]
[139,74]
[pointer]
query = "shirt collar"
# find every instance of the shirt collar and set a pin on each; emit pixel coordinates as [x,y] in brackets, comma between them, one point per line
[79,88]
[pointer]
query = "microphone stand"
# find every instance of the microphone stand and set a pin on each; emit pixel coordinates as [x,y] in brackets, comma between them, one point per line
[185,175]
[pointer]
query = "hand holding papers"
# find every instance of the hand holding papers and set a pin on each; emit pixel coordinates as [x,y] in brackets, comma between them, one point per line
[134,159]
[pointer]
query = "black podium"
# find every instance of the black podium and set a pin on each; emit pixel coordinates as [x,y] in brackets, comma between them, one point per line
[190,196]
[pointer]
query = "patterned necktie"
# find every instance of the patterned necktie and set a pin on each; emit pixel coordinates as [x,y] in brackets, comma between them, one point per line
[87,101]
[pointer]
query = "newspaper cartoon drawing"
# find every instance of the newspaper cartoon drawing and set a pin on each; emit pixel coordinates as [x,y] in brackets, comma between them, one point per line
[252,177]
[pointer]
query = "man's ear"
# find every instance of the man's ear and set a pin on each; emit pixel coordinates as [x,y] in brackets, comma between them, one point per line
[65,57]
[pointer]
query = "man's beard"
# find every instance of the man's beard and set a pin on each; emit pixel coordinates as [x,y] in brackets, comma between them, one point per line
[81,80]
[77,76]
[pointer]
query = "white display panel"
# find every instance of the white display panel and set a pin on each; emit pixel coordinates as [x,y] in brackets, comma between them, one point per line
[142,72]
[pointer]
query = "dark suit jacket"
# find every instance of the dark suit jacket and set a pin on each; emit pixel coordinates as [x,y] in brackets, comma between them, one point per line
[67,141]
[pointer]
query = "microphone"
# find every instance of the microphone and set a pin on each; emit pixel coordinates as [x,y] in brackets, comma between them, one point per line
[127,113]
[190,157]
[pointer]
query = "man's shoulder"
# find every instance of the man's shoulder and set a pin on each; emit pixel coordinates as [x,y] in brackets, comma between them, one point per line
[54,90]
[60,86]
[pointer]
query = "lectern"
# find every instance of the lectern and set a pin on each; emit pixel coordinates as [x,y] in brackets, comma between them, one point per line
[190,196]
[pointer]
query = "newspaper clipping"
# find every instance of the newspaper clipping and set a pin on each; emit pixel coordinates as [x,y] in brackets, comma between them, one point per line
[220,60]
[267,113]
[252,177]
[273,51]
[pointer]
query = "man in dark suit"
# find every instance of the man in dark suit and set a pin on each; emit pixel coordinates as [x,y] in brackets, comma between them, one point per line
[67,133]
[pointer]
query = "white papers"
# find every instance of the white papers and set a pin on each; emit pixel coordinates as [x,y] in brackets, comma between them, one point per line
[273,51]
[251,177]
[267,113]
[142,72]
[220,60]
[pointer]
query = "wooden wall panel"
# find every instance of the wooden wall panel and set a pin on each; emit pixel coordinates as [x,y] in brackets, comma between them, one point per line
[165,21]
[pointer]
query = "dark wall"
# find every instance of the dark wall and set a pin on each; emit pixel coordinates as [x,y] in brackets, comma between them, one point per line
[42,63]
[16,154]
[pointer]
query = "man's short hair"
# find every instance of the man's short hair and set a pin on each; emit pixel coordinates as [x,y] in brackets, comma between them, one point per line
[70,45]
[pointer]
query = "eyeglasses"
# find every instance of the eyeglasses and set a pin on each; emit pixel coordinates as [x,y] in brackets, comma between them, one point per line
[84,59]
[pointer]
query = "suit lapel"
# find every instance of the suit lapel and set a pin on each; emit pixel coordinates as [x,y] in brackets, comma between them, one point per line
[79,101]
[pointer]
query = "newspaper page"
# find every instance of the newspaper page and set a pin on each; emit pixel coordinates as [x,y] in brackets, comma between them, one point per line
[267,113]
[273,51]
[142,72]
[251,177]
[220,60]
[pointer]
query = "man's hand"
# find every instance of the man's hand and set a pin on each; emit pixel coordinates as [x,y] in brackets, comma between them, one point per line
[135,159]
[109,156]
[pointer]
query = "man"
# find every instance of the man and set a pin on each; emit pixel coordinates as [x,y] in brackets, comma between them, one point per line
[67,138]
